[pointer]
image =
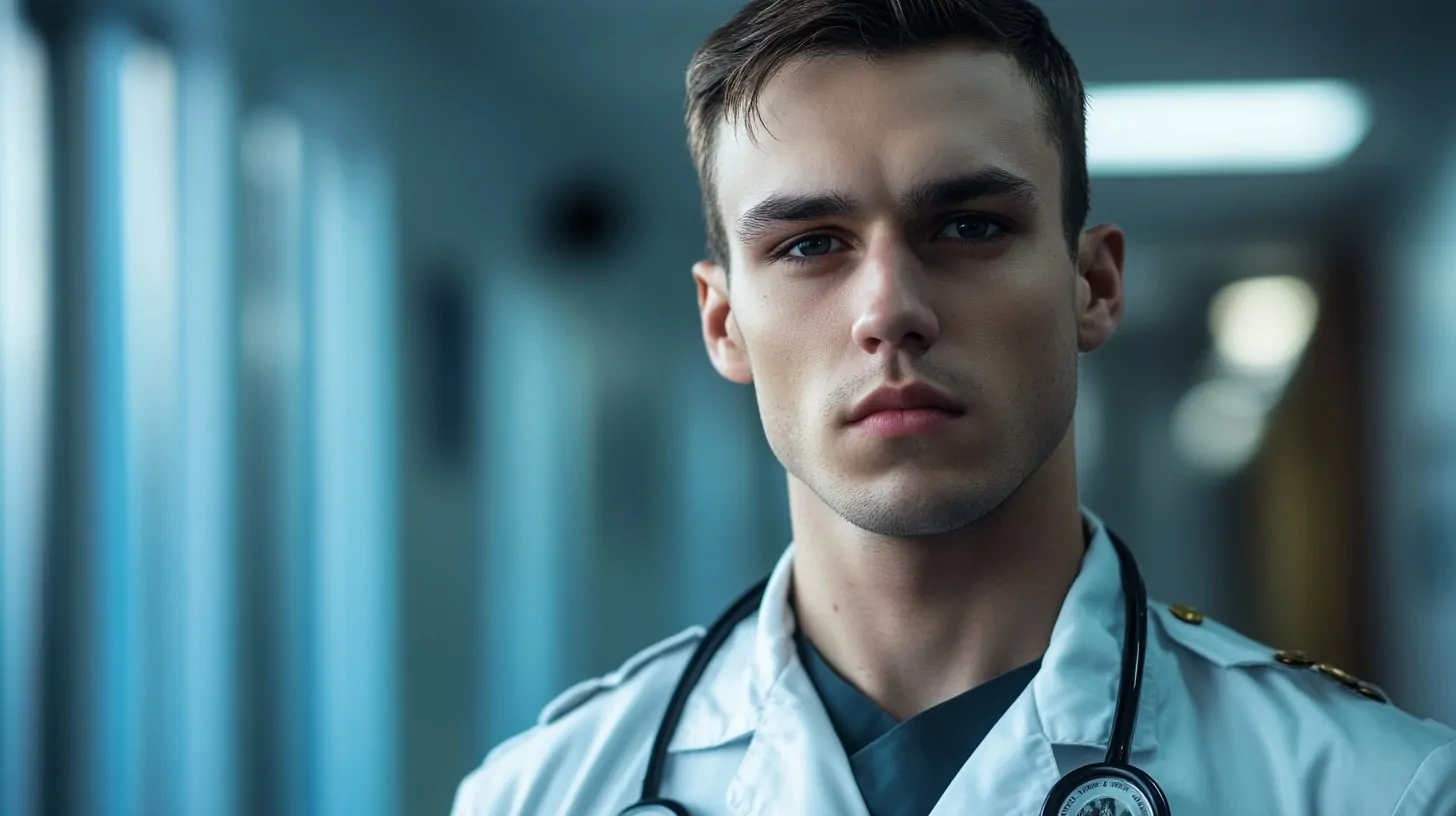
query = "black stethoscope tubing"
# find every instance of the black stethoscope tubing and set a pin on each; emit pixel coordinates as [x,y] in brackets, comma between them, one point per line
[1134,649]
[1124,719]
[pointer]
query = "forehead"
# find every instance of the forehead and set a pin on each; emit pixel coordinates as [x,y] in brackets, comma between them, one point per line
[874,126]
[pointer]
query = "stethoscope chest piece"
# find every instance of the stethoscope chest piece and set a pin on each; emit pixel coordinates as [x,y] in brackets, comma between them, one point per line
[656,807]
[1106,790]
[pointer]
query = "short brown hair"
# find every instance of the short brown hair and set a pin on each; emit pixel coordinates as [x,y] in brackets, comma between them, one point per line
[729,72]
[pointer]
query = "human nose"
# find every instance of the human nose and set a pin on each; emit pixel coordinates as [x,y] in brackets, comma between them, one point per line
[892,304]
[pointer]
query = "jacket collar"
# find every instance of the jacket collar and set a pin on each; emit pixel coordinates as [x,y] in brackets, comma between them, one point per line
[1076,689]
[731,694]
[1075,692]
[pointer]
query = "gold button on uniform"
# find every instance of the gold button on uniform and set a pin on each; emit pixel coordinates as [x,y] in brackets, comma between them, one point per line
[1294,657]
[1187,614]
[1338,674]
[1351,682]
[1372,692]
[1301,660]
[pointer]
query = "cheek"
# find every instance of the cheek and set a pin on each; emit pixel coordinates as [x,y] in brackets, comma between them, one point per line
[788,336]
[1018,328]
[1038,305]
[789,351]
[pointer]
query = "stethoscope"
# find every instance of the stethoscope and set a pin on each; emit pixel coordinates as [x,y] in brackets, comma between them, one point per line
[1084,790]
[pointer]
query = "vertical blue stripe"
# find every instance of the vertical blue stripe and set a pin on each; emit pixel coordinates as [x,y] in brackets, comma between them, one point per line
[201,752]
[353,693]
[537,395]
[275,331]
[300,545]
[338,476]
[25,369]
[381,392]
[717,548]
[112,792]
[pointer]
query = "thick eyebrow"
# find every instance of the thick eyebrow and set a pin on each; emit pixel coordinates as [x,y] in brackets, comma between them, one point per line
[790,208]
[943,194]
[926,198]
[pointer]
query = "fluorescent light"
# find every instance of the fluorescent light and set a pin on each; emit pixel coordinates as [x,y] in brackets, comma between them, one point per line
[1261,325]
[1251,127]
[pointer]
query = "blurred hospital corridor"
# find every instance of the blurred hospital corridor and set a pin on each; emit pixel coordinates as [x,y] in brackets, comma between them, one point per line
[354,401]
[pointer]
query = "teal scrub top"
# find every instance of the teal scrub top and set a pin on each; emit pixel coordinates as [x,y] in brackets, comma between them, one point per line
[903,768]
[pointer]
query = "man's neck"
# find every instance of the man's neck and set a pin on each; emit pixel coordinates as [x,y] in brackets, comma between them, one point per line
[912,622]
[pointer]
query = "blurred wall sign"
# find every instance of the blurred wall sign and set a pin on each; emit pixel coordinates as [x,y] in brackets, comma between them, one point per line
[583,218]
[446,338]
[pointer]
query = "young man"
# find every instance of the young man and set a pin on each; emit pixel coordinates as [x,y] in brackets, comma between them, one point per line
[895,194]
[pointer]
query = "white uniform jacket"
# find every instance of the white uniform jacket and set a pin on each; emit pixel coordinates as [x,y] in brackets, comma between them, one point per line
[1223,726]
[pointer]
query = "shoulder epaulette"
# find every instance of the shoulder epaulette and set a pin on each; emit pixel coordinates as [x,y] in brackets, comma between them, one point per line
[1227,648]
[578,694]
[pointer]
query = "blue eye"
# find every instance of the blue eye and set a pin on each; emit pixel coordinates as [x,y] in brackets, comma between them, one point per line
[813,246]
[972,228]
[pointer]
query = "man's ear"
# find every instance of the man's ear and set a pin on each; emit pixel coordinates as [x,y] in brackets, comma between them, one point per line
[1100,255]
[720,330]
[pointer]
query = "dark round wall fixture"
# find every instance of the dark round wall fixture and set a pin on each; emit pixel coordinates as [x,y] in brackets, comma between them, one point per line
[583,218]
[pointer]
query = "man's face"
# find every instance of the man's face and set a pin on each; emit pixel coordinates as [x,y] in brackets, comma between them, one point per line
[897,223]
